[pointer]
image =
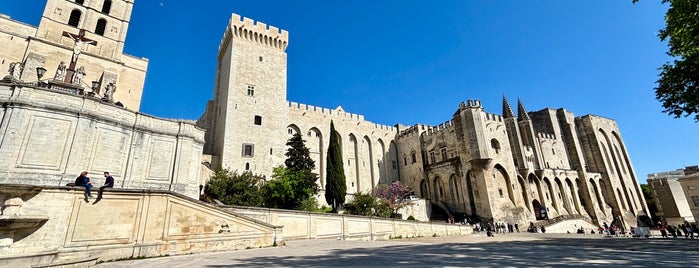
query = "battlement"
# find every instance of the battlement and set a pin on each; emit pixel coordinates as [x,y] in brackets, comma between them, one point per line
[412,130]
[493,117]
[472,104]
[259,32]
[545,136]
[335,114]
[440,128]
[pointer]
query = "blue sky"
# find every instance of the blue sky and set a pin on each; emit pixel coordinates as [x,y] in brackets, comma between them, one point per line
[413,62]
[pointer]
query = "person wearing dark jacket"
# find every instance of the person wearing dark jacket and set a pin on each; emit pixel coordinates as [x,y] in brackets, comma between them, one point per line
[84,181]
[108,183]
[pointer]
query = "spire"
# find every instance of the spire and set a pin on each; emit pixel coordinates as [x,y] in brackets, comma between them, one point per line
[521,112]
[506,108]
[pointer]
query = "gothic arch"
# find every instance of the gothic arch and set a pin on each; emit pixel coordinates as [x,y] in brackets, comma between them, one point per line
[315,146]
[382,162]
[537,184]
[424,189]
[353,161]
[560,195]
[572,197]
[454,189]
[524,192]
[392,160]
[292,129]
[438,188]
[552,194]
[503,183]
[367,166]
[598,198]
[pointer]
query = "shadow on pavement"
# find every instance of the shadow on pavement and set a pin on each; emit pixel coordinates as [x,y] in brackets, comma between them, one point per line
[550,252]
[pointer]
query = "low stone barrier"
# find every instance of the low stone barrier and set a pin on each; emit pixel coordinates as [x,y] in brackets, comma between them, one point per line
[311,225]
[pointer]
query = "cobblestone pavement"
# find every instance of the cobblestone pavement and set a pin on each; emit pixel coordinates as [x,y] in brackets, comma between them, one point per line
[508,250]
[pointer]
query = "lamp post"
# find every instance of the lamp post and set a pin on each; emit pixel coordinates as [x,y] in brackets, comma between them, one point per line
[95,86]
[40,71]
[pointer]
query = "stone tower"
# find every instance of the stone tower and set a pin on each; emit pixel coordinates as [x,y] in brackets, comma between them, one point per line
[248,117]
[87,34]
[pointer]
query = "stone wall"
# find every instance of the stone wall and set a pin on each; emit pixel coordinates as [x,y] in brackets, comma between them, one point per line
[49,137]
[310,225]
[53,225]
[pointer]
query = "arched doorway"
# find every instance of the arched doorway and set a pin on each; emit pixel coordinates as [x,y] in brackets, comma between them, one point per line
[424,191]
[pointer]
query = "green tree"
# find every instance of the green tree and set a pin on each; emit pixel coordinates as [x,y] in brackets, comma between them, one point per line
[298,156]
[335,185]
[678,85]
[300,162]
[285,190]
[236,189]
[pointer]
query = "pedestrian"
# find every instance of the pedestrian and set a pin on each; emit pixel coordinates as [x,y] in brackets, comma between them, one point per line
[84,181]
[517,227]
[108,183]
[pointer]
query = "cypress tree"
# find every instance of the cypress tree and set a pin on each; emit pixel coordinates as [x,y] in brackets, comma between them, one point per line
[335,186]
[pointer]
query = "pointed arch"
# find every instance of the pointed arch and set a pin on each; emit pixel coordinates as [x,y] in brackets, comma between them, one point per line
[292,129]
[524,191]
[367,166]
[454,189]
[352,162]
[315,146]
[424,189]
[503,183]
[381,162]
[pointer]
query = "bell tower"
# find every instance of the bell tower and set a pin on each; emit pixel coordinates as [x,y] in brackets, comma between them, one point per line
[105,22]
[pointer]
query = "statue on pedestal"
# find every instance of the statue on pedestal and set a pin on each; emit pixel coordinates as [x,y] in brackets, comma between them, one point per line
[15,71]
[109,92]
[61,71]
[78,76]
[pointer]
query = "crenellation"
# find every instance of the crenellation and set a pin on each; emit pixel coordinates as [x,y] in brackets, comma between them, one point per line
[258,32]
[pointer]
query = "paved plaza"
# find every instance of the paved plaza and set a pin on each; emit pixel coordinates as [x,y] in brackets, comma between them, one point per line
[509,250]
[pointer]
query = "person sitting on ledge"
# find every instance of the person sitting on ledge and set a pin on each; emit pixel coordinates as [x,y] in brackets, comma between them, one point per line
[84,181]
[108,183]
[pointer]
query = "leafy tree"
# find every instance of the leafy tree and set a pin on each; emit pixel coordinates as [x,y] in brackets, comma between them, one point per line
[335,185]
[678,86]
[392,195]
[362,204]
[236,189]
[294,186]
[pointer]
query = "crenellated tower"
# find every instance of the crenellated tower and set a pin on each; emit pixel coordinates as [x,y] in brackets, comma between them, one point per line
[249,98]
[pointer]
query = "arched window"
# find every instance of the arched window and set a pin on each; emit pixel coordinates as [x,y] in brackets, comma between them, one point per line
[80,2]
[496,145]
[106,6]
[74,19]
[101,25]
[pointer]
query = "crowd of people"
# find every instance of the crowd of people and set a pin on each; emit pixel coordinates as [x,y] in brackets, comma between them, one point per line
[685,229]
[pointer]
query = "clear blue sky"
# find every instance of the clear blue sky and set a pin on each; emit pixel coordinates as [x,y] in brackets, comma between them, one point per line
[413,62]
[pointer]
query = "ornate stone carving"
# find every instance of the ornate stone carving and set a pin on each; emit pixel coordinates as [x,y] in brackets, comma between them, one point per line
[78,76]
[61,71]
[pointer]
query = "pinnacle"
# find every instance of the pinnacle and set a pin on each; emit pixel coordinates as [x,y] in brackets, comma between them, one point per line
[521,112]
[506,108]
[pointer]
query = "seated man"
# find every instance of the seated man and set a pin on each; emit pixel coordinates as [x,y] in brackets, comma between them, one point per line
[84,181]
[108,183]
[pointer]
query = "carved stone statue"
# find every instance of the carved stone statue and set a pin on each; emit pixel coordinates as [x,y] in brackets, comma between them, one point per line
[78,76]
[61,71]
[109,92]
[15,70]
